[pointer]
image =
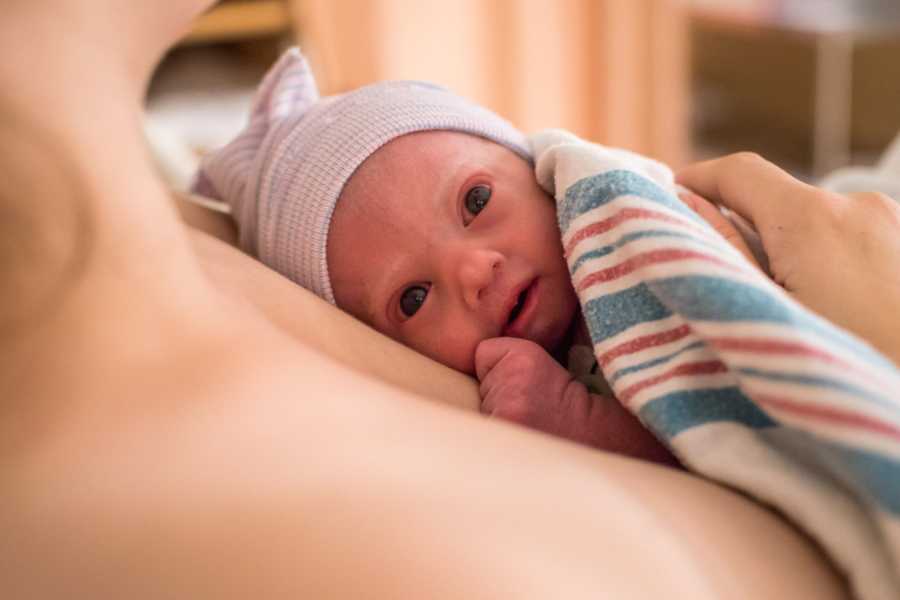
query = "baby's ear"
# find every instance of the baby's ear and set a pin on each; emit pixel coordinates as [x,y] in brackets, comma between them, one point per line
[288,88]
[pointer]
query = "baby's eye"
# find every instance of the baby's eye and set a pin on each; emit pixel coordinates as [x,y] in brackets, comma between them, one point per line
[477,198]
[412,299]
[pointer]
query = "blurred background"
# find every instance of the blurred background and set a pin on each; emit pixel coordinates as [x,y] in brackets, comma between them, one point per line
[812,84]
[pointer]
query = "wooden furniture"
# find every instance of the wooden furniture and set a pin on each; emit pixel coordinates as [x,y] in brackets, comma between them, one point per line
[834,29]
[235,20]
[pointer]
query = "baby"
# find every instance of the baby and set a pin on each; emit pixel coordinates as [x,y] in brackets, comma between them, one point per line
[418,212]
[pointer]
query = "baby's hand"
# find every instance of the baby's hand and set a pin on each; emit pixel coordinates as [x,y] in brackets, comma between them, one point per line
[521,383]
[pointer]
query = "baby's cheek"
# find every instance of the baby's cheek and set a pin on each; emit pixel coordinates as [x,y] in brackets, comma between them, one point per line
[454,350]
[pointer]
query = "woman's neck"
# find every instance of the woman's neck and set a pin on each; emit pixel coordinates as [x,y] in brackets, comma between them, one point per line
[80,196]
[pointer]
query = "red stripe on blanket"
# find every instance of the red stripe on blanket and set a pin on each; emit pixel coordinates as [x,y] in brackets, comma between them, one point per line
[830,415]
[644,259]
[769,346]
[709,367]
[643,342]
[626,214]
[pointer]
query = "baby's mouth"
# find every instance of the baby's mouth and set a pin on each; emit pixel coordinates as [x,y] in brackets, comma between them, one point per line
[520,302]
[521,312]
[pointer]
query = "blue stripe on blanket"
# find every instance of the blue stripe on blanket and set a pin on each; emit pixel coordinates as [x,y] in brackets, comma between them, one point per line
[589,193]
[652,363]
[710,298]
[610,315]
[699,297]
[681,410]
[636,235]
[873,477]
[815,381]
[877,475]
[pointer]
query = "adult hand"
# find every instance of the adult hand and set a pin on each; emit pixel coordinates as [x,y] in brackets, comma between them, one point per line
[839,255]
[521,383]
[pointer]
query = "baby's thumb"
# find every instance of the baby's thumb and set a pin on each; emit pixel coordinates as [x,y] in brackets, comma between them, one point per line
[488,353]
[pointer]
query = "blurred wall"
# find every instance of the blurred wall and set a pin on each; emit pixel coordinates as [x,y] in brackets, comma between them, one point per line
[876,94]
[614,71]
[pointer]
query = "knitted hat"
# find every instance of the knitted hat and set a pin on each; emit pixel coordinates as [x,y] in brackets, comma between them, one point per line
[282,176]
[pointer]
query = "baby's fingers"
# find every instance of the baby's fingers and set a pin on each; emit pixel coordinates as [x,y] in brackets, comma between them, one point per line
[488,354]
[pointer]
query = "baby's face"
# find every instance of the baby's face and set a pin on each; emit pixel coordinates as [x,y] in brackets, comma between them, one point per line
[441,240]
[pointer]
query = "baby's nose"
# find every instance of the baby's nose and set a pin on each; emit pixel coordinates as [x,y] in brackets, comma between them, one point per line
[478,270]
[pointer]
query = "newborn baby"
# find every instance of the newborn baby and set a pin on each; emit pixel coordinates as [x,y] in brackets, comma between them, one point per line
[418,212]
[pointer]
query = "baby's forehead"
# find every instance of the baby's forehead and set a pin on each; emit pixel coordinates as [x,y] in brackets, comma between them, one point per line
[416,162]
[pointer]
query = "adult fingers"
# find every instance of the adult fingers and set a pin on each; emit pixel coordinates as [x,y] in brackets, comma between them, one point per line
[719,222]
[751,186]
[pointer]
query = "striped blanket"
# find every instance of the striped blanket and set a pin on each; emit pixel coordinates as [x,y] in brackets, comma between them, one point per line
[746,386]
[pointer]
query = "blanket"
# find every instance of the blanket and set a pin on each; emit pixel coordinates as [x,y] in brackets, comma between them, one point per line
[746,386]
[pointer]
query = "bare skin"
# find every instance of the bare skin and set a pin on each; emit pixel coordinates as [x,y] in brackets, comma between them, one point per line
[163,437]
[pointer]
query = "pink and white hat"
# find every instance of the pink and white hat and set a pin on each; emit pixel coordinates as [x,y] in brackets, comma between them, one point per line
[282,176]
